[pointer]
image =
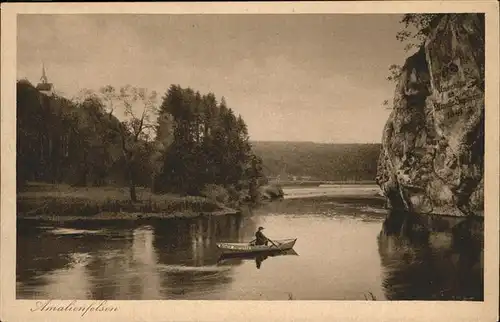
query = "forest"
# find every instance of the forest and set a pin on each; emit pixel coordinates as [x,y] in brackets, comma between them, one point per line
[319,161]
[184,143]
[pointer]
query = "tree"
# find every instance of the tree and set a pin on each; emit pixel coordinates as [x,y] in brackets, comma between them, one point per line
[135,130]
[163,140]
[395,72]
[417,26]
[255,175]
[30,131]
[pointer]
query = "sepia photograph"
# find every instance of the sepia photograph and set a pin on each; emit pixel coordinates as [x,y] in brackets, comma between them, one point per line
[248,157]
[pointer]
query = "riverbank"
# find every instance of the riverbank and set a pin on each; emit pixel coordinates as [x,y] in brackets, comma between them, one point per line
[342,191]
[318,183]
[59,202]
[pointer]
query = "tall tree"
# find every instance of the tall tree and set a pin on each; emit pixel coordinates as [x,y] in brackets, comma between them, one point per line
[135,130]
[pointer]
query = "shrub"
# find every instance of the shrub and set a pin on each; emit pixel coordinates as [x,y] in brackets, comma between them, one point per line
[272,192]
[216,193]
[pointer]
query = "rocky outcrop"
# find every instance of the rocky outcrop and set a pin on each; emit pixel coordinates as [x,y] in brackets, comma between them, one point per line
[432,155]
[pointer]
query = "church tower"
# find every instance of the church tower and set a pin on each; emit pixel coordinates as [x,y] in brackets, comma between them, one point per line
[45,87]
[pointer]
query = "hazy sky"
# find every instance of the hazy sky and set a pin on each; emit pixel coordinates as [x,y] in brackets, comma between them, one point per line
[292,77]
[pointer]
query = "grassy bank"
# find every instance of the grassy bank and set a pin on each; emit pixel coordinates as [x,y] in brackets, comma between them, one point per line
[48,201]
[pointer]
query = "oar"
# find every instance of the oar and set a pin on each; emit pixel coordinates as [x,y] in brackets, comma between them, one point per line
[250,243]
[273,243]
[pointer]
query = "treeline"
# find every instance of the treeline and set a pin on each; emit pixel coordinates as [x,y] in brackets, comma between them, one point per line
[319,161]
[59,141]
[187,144]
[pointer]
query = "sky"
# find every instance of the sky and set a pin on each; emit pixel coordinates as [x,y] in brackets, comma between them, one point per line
[298,77]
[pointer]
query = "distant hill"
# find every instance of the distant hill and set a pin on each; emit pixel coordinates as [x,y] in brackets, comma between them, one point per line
[318,161]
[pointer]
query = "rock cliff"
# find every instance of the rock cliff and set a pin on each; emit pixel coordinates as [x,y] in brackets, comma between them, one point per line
[432,155]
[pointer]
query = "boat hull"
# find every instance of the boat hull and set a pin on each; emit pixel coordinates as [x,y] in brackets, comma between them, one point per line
[253,256]
[245,248]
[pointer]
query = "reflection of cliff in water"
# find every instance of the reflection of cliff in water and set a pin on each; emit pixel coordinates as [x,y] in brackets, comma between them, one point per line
[159,259]
[432,257]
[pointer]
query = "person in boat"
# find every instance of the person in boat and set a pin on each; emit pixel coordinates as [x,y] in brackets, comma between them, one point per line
[260,238]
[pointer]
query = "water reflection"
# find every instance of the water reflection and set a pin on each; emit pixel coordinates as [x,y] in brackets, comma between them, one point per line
[259,260]
[432,257]
[229,259]
[420,257]
[262,257]
[111,260]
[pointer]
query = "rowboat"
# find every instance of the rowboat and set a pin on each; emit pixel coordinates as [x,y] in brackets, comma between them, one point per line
[259,255]
[246,248]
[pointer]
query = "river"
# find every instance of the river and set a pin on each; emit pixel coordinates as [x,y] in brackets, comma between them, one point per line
[345,251]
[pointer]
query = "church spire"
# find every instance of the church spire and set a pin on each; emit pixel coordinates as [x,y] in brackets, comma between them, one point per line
[44,75]
[44,86]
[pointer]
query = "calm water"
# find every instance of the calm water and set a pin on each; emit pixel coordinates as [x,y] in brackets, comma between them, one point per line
[338,256]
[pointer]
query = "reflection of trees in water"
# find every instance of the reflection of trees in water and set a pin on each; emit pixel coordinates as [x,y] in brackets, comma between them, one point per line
[432,257]
[187,250]
[161,260]
[37,256]
[192,242]
[62,265]
[127,261]
[128,273]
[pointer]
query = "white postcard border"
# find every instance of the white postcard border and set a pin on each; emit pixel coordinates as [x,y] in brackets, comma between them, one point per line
[21,310]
